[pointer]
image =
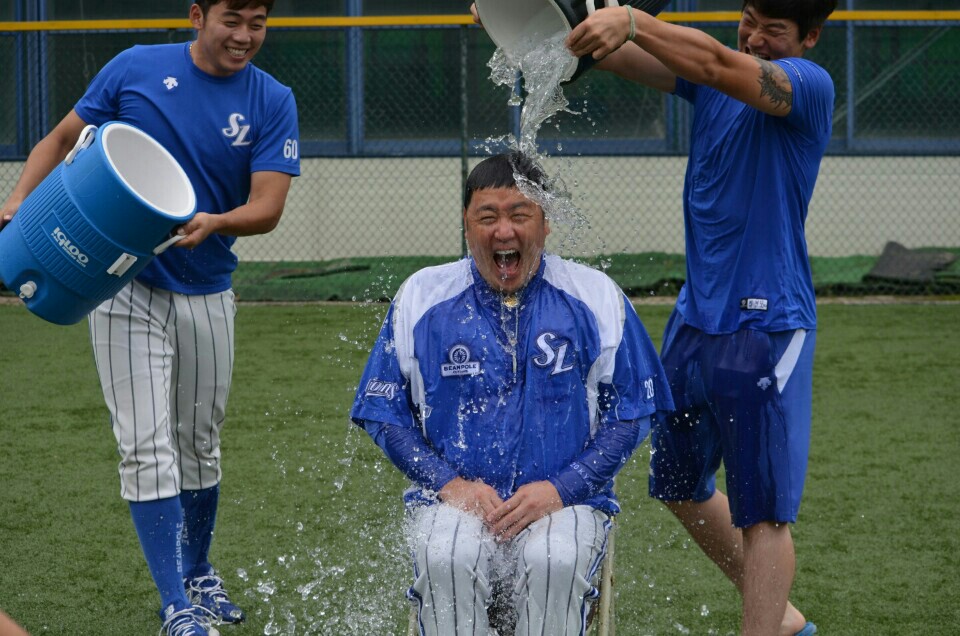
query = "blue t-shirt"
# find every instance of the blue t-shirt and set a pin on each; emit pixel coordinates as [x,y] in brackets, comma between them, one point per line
[749,180]
[220,130]
[511,395]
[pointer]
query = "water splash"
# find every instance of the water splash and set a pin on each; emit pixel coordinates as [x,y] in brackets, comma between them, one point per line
[301,582]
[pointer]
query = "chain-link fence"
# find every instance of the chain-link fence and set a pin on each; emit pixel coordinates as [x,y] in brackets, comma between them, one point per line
[393,117]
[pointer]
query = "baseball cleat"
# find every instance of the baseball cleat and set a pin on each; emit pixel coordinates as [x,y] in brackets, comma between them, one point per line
[207,592]
[808,630]
[189,621]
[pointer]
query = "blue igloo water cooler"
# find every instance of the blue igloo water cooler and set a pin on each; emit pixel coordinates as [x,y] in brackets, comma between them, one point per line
[94,223]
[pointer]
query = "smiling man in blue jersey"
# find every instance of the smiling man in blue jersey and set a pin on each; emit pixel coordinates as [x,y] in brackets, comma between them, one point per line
[739,346]
[164,345]
[509,387]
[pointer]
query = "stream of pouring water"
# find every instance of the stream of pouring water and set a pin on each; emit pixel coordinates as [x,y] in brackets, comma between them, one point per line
[542,65]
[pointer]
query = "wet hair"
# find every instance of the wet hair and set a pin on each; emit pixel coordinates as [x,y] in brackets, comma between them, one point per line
[808,14]
[235,5]
[498,172]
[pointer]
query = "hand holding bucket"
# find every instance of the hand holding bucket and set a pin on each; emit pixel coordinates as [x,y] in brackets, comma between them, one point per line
[514,23]
[95,222]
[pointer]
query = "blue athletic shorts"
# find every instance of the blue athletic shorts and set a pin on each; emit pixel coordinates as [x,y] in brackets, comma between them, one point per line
[743,398]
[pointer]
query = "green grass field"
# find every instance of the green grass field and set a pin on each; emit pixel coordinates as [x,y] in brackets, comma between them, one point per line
[308,536]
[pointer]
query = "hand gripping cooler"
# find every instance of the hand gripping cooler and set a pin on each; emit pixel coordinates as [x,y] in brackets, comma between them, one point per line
[94,223]
[510,23]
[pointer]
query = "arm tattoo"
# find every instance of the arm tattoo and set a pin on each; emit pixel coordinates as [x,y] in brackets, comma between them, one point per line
[770,88]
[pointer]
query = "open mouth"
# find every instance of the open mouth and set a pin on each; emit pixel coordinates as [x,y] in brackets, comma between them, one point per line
[237,53]
[507,261]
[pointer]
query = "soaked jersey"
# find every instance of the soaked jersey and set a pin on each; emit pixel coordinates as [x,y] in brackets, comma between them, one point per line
[511,394]
[220,130]
[750,177]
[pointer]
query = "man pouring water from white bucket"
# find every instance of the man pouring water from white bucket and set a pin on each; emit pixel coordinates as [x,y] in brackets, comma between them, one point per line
[739,347]
[164,344]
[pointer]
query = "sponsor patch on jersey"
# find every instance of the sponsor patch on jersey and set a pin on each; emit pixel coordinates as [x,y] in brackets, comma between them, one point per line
[379,388]
[755,304]
[460,363]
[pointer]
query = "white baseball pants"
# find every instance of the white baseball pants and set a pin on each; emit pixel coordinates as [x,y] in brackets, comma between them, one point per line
[165,362]
[549,571]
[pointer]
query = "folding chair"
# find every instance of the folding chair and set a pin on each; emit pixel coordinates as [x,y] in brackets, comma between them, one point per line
[605,618]
[600,621]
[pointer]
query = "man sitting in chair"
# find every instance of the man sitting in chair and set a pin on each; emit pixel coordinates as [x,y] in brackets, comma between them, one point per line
[509,387]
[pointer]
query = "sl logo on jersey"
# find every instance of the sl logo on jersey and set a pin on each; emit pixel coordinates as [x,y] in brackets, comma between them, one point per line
[237,131]
[552,353]
[460,363]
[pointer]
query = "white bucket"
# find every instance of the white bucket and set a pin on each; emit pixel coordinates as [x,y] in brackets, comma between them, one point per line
[514,23]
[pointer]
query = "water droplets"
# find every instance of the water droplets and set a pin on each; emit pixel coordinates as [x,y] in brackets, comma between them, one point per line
[271,628]
[306,591]
[266,588]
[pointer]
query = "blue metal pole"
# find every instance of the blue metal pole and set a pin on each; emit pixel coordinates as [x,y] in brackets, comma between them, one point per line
[32,78]
[464,129]
[354,81]
[851,80]
[43,77]
[516,110]
[20,51]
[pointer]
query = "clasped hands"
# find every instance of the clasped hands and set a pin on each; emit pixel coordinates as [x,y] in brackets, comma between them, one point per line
[504,519]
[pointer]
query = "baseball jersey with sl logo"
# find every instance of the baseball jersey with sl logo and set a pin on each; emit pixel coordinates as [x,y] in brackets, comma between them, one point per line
[507,392]
[248,123]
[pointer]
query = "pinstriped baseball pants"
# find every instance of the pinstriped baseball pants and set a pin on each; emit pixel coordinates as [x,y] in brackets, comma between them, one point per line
[165,362]
[549,571]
